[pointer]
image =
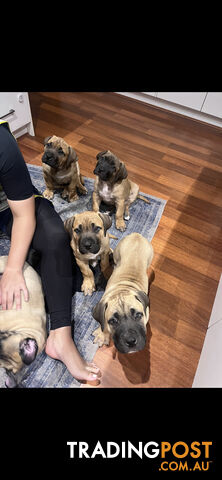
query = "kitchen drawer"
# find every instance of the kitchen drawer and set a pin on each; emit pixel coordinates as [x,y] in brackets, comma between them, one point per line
[15,109]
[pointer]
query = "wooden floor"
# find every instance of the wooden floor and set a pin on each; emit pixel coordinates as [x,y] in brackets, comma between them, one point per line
[174,158]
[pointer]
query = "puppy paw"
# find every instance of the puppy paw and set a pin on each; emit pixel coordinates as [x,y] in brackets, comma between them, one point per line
[120,225]
[101,338]
[84,190]
[73,198]
[48,194]
[88,287]
[65,194]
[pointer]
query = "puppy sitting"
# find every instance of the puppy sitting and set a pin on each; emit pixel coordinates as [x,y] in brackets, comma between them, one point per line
[123,311]
[90,243]
[113,187]
[22,332]
[61,169]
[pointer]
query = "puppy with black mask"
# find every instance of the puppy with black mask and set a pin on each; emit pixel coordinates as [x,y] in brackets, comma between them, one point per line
[90,245]
[22,332]
[61,169]
[113,187]
[123,311]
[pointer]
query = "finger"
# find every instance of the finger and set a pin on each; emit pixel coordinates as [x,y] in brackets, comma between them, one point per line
[18,299]
[4,300]
[26,293]
[10,300]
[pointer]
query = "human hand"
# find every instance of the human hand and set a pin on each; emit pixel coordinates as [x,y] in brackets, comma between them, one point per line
[11,284]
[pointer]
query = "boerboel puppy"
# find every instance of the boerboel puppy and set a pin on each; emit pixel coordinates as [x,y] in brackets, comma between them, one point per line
[61,169]
[22,332]
[113,187]
[123,311]
[90,243]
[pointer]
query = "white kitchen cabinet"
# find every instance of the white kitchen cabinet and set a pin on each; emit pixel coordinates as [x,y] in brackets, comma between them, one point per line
[187,99]
[213,104]
[203,106]
[15,109]
[209,372]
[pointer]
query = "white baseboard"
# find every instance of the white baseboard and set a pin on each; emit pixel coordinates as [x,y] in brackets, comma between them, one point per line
[209,370]
[25,129]
[173,107]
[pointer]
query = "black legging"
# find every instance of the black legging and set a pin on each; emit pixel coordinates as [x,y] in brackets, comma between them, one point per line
[60,275]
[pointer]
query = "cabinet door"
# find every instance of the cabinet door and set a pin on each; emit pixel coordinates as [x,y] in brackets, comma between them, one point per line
[187,99]
[17,103]
[213,104]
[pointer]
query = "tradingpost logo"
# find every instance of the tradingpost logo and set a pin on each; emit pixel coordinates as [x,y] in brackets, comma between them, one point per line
[169,456]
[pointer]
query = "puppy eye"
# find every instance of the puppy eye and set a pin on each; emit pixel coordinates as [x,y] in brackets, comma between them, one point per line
[97,229]
[138,316]
[113,321]
[60,151]
[49,144]
[77,230]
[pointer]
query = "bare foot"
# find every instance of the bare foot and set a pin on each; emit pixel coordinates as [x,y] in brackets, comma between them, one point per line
[60,346]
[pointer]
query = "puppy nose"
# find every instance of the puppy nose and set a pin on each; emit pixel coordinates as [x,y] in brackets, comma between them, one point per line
[87,243]
[48,153]
[131,340]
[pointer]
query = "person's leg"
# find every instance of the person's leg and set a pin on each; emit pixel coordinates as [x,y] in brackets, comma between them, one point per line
[60,278]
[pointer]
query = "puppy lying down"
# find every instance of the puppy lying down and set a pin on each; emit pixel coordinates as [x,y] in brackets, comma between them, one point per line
[22,332]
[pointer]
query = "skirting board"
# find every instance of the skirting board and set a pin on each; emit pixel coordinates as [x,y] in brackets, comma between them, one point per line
[173,107]
[25,129]
[209,371]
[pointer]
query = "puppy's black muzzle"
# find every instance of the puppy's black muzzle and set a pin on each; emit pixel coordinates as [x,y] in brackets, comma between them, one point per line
[50,158]
[104,171]
[89,244]
[128,340]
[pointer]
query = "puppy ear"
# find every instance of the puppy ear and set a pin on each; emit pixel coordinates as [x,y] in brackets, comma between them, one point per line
[45,141]
[143,298]
[100,154]
[121,173]
[107,221]
[99,313]
[68,224]
[72,157]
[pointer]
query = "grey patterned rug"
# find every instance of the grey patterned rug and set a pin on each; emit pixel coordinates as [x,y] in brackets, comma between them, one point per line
[45,372]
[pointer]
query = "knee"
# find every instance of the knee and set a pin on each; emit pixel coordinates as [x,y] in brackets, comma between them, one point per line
[57,240]
[52,239]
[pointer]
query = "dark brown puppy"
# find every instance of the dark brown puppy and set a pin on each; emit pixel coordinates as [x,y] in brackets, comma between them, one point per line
[61,169]
[113,187]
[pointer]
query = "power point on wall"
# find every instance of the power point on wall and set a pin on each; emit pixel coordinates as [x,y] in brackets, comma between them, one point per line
[20,98]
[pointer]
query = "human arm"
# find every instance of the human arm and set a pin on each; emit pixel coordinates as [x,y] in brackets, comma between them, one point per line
[17,186]
[12,281]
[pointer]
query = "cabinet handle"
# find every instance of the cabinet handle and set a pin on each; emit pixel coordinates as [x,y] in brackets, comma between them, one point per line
[11,111]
